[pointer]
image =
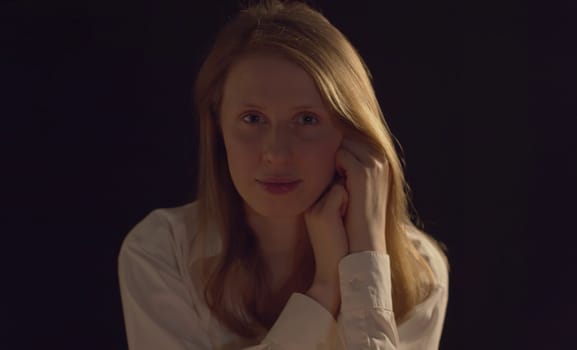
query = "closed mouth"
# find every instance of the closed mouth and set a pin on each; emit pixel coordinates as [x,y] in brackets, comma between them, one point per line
[277,181]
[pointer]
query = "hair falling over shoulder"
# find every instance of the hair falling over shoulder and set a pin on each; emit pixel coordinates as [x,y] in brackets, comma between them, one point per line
[301,34]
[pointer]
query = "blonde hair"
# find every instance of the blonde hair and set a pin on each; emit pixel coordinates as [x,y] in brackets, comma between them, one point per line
[234,279]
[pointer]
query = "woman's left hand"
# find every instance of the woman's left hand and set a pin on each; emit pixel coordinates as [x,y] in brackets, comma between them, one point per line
[366,179]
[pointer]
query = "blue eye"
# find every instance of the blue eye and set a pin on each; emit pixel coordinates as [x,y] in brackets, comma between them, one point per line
[251,119]
[311,118]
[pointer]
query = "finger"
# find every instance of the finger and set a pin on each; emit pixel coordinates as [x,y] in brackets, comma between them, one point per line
[340,181]
[362,152]
[327,199]
[353,148]
[346,163]
[337,199]
[344,202]
[332,199]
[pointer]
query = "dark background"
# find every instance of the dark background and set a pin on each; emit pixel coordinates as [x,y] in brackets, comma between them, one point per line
[98,131]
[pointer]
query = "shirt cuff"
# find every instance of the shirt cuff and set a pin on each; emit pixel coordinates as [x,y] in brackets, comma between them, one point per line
[365,281]
[303,322]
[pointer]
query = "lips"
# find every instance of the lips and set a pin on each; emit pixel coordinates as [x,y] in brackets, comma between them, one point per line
[279,186]
[278,181]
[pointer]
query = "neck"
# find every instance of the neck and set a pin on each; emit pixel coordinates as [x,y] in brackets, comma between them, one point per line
[288,261]
[278,237]
[283,244]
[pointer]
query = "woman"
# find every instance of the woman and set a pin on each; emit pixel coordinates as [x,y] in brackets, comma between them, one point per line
[300,237]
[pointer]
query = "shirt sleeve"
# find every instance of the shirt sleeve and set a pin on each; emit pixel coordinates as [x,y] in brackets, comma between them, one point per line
[158,309]
[367,320]
[159,312]
[303,324]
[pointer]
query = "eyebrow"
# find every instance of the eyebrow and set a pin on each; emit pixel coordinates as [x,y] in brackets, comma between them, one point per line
[252,105]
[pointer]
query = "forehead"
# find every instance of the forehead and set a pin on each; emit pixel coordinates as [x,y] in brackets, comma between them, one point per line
[268,79]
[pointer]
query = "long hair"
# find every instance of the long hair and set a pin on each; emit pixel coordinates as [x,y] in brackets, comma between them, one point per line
[234,278]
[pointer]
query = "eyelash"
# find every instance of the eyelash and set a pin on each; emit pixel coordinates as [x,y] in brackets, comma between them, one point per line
[306,114]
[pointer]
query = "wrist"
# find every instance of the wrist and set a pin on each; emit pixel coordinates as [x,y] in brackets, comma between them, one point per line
[326,294]
[377,245]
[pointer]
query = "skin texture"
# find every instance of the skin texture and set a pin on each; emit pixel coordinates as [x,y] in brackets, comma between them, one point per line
[267,132]
[277,139]
[364,189]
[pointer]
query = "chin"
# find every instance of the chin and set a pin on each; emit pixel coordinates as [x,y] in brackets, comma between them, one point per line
[288,205]
[271,208]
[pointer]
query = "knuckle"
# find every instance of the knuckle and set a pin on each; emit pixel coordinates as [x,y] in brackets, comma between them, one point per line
[366,172]
[337,189]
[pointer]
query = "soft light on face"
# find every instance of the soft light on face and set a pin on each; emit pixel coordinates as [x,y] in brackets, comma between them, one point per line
[274,123]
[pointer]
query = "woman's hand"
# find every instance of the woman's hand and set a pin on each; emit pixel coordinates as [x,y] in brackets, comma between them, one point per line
[359,195]
[366,180]
[328,239]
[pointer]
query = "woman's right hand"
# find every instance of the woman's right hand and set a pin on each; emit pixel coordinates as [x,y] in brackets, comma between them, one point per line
[326,230]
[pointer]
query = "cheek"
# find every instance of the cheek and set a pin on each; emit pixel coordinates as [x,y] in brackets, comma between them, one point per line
[320,155]
[241,152]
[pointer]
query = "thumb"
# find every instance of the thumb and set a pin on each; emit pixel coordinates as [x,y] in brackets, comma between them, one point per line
[338,198]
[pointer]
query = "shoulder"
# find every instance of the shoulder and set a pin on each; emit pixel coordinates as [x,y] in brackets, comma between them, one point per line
[162,232]
[433,254]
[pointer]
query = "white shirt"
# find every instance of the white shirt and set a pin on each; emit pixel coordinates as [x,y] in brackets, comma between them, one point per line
[163,309]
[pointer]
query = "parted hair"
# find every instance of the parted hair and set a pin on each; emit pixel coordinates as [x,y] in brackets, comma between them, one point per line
[233,279]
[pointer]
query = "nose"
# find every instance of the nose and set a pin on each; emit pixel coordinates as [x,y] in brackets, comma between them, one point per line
[277,145]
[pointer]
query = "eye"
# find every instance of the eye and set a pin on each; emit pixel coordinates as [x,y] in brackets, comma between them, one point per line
[309,119]
[248,118]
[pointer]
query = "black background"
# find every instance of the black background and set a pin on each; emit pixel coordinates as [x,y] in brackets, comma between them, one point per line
[98,131]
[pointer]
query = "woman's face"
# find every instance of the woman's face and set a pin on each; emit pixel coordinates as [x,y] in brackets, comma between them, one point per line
[274,124]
